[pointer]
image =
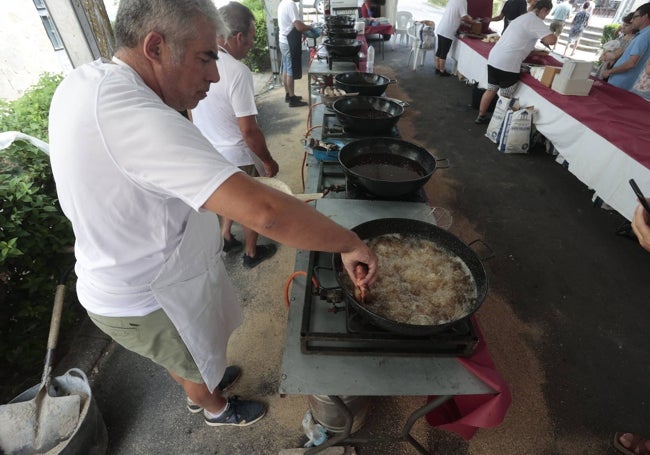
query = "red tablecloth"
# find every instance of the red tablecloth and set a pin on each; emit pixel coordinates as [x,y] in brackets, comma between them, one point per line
[465,414]
[617,115]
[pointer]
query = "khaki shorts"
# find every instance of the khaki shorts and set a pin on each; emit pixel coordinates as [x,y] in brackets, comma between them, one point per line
[556,27]
[250,169]
[152,336]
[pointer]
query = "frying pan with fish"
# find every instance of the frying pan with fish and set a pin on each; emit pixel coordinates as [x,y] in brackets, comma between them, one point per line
[428,231]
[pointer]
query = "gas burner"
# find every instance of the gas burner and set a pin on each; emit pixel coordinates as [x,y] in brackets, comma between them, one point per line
[354,191]
[333,129]
[354,59]
[330,326]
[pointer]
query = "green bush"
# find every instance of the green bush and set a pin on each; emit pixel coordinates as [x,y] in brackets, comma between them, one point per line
[33,237]
[609,32]
[258,59]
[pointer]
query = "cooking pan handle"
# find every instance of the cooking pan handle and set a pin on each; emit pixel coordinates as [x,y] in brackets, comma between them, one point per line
[490,255]
[400,102]
[445,165]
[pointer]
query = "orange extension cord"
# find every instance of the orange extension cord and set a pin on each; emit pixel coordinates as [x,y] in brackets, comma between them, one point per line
[290,280]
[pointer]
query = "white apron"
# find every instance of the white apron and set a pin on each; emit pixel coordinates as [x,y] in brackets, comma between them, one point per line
[194,289]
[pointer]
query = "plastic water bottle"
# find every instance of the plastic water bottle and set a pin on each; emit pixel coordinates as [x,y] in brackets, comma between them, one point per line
[370,60]
[314,431]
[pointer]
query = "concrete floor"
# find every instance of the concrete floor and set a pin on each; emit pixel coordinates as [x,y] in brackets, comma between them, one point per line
[565,318]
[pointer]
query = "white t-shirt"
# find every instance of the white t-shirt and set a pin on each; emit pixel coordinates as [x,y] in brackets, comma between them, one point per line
[216,115]
[451,18]
[287,15]
[129,170]
[517,42]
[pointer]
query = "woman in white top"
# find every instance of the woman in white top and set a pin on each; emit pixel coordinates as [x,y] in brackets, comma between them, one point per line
[455,13]
[504,62]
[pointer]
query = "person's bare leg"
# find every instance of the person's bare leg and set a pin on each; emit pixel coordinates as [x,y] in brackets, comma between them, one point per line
[289,86]
[250,237]
[214,402]
[486,100]
[226,224]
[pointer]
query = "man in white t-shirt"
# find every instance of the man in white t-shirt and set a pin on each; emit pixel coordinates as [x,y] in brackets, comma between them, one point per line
[290,39]
[228,118]
[142,187]
[455,13]
[517,42]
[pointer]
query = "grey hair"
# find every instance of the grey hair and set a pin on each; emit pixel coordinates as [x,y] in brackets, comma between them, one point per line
[174,19]
[237,17]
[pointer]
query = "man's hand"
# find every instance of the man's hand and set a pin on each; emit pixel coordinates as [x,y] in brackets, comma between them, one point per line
[271,168]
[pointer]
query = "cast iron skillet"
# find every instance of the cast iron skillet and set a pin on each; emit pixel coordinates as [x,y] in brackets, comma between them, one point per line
[407,227]
[372,115]
[339,47]
[385,166]
[367,84]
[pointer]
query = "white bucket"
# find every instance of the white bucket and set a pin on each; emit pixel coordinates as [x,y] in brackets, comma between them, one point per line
[90,437]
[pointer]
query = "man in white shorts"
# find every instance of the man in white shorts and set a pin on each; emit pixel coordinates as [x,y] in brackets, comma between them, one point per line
[290,39]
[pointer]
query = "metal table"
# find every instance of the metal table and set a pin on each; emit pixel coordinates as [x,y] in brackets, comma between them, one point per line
[346,375]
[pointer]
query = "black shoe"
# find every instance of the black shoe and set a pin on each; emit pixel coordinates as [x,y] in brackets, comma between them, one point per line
[287,98]
[443,73]
[232,245]
[240,413]
[482,119]
[438,72]
[230,376]
[262,253]
[295,101]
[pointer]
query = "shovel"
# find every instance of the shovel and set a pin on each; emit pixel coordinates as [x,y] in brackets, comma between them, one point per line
[40,424]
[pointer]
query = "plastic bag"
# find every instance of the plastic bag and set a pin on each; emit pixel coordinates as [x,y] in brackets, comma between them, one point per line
[314,431]
[514,136]
[500,110]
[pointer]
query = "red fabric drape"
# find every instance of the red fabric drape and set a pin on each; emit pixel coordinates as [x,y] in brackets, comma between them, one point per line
[465,414]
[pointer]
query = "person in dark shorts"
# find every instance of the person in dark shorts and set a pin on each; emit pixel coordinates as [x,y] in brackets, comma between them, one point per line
[504,61]
[455,13]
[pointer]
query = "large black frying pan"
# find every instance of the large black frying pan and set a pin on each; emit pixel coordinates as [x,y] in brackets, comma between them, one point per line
[366,84]
[386,167]
[442,238]
[339,47]
[372,115]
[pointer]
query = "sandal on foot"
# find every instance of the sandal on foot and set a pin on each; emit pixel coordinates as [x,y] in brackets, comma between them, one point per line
[638,445]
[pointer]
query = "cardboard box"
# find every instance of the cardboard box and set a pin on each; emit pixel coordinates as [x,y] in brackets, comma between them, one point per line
[476,28]
[575,69]
[548,75]
[572,86]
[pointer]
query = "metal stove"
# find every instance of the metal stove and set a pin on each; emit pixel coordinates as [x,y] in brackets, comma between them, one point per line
[330,326]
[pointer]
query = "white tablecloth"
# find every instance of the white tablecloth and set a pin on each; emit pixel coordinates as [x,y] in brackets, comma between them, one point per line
[597,162]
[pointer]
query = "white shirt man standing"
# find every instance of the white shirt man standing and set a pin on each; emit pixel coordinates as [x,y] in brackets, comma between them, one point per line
[227,117]
[290,39]
[142,187]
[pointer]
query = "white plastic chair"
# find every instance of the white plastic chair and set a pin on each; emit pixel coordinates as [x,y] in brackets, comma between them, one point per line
[417,46]
[403,20]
